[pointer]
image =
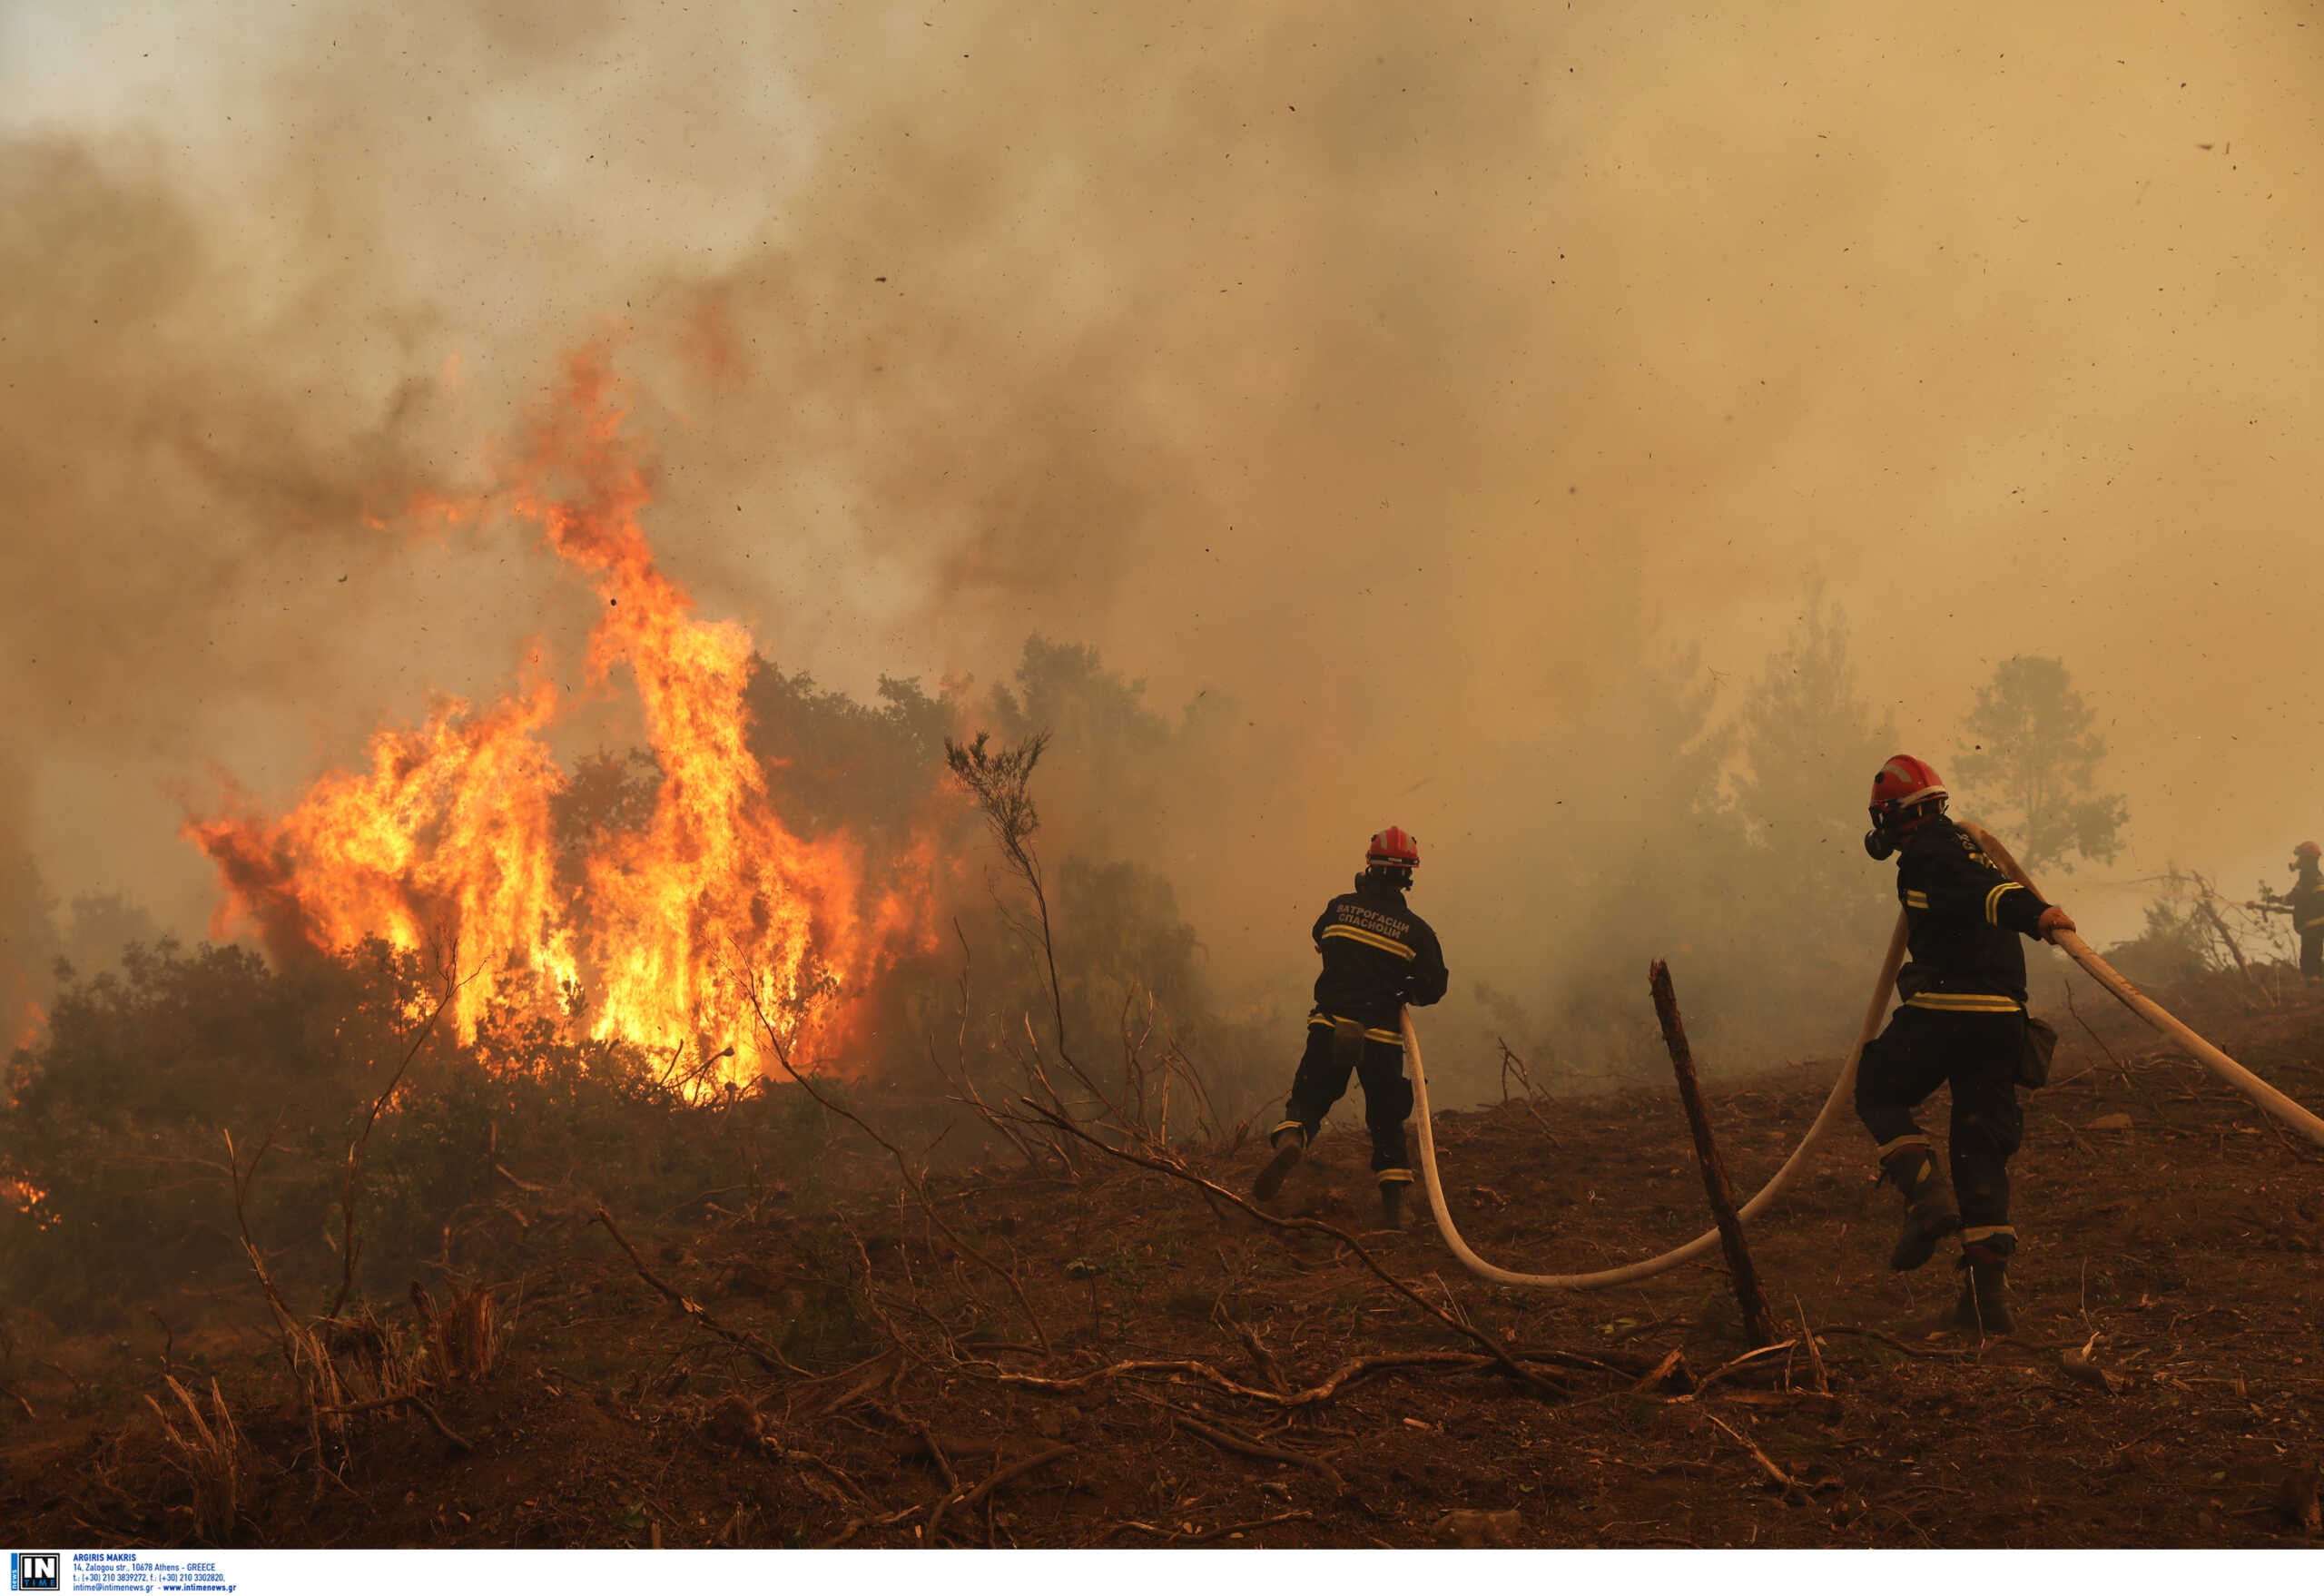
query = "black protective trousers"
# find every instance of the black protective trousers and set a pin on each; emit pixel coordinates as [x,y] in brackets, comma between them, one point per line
[2312,952]
[1322,1081]
[1978,1054]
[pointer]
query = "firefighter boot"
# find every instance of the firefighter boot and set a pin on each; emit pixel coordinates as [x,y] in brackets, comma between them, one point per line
[1984,1291]
[1391,1204]
[1290,1144]
[1929,1214]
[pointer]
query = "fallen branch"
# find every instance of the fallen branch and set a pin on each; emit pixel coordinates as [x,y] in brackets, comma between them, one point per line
[2079,1363]
[1220,1533]
[1907,1349]
[1753,1356]
[854,1527]
[1670,1364]
[1574,1360]
[824,1395]
[766,1356]
[934,1448]
[1163,1163]
[1782,1480]
[1261,1359]
[1455,1362]
[798,1459]
[1230,1442]
[997,1478]
[427,1410]
[1815,1351]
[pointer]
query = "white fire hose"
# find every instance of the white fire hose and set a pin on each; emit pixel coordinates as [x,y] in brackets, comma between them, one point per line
[2267,1097]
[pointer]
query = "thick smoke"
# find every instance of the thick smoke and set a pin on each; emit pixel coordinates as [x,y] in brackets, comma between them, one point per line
[1415,387]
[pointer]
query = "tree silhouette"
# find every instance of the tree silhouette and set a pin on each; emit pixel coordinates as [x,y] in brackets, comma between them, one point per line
[2034,762]
[1813,745]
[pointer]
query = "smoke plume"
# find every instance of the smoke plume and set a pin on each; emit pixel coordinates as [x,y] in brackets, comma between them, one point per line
[1406,390]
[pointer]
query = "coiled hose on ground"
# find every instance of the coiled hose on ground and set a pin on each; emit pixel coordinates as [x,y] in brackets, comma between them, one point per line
[1843,1089]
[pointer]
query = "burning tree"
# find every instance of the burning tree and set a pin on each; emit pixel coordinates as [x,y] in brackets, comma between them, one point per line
[643,935]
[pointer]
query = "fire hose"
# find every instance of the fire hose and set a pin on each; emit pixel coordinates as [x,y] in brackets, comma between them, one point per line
[2259,1091]
[2265,1097]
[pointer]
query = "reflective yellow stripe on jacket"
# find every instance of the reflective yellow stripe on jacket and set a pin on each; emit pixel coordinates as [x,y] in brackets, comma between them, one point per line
[1393,1038]
[1369,939]
[1965,1003]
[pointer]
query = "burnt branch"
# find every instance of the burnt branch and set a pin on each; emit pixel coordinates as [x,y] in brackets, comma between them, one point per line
[912,1182]
[758,1351]
[1163,1163]
[1227,1440]
[452,982]
[1001,782]
[997,1478]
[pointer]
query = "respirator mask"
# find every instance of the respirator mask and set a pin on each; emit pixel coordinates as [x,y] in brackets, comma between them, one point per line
[1890,821]
[1877,841]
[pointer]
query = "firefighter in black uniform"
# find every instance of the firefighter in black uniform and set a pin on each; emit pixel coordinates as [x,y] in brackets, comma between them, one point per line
[1378,956]
[2305,904]
[1962,1020]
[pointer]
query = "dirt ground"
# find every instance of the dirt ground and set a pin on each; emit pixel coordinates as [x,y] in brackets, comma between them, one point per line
[856,1377]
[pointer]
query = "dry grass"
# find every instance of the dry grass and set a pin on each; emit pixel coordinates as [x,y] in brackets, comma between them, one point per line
[466,1334]
[210,1453]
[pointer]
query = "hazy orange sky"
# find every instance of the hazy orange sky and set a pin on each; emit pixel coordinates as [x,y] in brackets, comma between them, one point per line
[1389,370]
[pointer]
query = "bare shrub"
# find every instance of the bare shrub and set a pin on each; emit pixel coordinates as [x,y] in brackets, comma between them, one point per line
[369,1366]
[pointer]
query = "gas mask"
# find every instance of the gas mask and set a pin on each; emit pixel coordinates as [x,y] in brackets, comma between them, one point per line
[1890,824]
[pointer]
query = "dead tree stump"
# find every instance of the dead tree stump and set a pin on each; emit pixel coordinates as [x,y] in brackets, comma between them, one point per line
[1748,1296]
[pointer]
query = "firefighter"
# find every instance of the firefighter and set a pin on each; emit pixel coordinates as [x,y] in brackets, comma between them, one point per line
[1378,955]
[1962,1020]
[2305,904]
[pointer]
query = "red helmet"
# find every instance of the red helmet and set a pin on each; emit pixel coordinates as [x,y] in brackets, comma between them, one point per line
[1392,849]
[2306,850]
[1903,781]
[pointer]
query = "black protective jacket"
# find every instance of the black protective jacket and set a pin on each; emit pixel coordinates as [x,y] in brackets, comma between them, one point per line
[1377,956]
[2305,902]
[1966,915]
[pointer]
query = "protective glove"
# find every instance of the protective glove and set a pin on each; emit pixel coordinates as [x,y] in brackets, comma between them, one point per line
[2053,920]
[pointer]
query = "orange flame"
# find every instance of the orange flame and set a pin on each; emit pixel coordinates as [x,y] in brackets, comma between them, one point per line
[449,839]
